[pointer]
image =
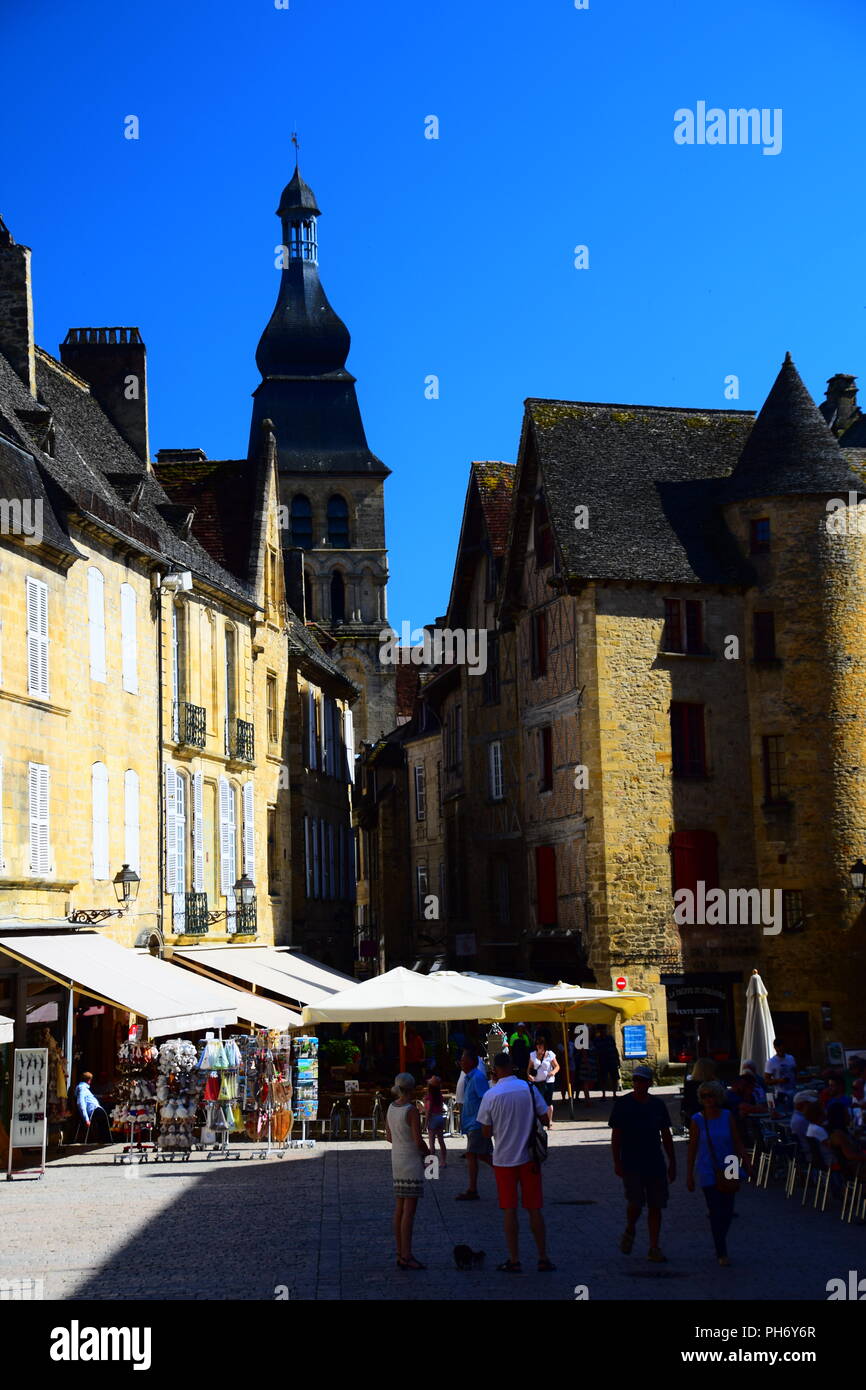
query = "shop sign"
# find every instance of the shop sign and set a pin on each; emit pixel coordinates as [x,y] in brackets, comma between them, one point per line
[29,1125]
[634,1040]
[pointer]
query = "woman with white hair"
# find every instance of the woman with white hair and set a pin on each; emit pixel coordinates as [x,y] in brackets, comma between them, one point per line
[408,1152]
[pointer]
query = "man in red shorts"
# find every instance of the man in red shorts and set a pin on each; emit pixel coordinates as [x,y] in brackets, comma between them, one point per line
[507,1113]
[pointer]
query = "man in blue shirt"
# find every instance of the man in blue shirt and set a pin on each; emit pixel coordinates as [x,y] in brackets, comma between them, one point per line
[85,1100]
[478,1148]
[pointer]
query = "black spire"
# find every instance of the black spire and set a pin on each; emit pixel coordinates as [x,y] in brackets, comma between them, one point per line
[790,448]
[306,389]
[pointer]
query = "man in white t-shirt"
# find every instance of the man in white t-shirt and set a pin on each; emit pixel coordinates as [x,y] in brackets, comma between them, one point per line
[781,1070]
[507,1114]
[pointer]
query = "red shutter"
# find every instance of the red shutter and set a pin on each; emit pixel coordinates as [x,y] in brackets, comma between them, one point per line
[545,878]
[694,859]
[672,640]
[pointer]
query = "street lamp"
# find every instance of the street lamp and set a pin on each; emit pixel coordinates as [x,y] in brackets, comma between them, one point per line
[858,877]
[126,885]
[245,890]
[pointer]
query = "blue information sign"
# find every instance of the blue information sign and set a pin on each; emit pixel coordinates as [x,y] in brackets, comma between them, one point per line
[634,1039]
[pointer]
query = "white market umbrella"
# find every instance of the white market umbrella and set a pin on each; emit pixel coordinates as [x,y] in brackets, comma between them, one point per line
[758,1033]
[404,996]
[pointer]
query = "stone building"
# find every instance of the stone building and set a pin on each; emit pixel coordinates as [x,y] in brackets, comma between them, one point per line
[331,484]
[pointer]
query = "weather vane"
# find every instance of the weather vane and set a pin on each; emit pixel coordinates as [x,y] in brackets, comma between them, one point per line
[297,144]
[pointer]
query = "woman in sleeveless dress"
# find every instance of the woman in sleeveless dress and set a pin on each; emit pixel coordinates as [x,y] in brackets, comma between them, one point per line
[714,1144]
[408,1151]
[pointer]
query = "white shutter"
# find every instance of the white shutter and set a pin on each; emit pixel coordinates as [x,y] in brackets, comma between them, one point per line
[349,737]
[198,832]
[495,756]
[249,831]
[226,841]
[131,852]
[175,675]
[332,885]
[2,862]
[308,857]
[129,638]
[99,814]
[316,879]
[40,852]
[37,637]
[231,908]
[312,742]
[96,620]
[341,862]
[179,913]
[170,830]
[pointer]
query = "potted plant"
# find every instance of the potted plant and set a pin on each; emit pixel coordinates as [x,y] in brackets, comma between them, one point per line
[341,1055]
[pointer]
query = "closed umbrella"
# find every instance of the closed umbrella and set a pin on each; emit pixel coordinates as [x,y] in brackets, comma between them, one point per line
[758,1033]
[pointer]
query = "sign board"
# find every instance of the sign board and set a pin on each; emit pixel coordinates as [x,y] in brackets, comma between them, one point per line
[29,1124]
[634,1040]
[621,982]
[351,1086]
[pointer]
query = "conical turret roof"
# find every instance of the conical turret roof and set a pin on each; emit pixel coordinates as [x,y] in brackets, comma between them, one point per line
[790,448]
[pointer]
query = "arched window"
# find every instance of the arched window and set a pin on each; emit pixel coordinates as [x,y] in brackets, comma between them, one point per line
[338,522]
[338,598]
[302,522]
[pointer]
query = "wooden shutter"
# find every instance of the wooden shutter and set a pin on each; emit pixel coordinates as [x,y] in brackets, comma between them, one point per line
[129,639]
[99,804]
[308,857]
[226,844]
[96,623]
[37,637]
[694,859]
[179,913]
[420,793]
[349,738]
[316,860]
[40,850]
[131,850]
[312,740]
[170,830]
[198,832]
[249,831]
[545,874]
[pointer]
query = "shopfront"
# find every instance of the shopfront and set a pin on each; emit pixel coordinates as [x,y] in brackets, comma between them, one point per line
[700,1016]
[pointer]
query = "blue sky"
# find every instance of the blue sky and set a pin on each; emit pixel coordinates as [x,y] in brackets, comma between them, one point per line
[452,257]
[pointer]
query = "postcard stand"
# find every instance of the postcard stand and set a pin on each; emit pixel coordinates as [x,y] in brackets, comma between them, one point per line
[29,1127]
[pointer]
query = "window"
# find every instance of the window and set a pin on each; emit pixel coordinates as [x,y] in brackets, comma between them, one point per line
[543,534]
[500,891]
[228,846]
[773,758]
[99,815]
[128,639]
[420,792]
[308,594]
[373,855]
[490,689]
[545,759]
[40,847]
[273,853]
[37,637]
[759,536]
[349,744]
[301,520]
[96,623]
[495,779]
[249,831]
[338,598]
[545,885]
[684,626]
[338,522]
[491,577]
[694,859]
[271,701]
[793,916]
[273,597]
[539,645]
[458,738]
[308,855]
[180,830]
[688,747]
[230,684]
[764,636]
[131,850]
[198,878]
[421,889]
[178,665]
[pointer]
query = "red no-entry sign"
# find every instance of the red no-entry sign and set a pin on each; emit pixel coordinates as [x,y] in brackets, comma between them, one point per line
[621,982]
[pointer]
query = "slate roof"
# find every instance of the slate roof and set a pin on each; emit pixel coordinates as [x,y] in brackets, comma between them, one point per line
[223,494]
[21,479]
[652,479]
[87,452]
[791,449]
[495,482]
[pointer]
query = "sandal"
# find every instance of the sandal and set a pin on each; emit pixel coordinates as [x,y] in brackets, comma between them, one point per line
[467,1197]
[411,1263]
[545,1266]
[510,1267]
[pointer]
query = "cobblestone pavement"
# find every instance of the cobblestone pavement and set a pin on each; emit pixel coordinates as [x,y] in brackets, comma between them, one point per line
[318,1223]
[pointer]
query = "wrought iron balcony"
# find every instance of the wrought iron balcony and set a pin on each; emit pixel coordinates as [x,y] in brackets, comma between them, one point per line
[189,914]
[243,921]
[242,743]
[190,724]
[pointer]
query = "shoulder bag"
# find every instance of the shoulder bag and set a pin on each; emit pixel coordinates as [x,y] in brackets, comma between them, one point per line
[538,1138]
[723,1184]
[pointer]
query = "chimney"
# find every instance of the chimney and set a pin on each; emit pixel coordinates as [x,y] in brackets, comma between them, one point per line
[293,568]
[16,308]
[840,408]
[113,362]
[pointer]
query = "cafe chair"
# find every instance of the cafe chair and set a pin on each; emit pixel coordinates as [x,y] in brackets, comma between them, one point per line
[361,1118]
[822,1175]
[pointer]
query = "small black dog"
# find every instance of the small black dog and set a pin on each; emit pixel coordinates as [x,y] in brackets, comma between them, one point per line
[466,1258]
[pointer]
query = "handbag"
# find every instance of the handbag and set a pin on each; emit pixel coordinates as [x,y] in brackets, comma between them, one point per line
[723,1184]
[537,1141]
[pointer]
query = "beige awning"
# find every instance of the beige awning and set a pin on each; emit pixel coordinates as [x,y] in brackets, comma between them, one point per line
[270,970]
